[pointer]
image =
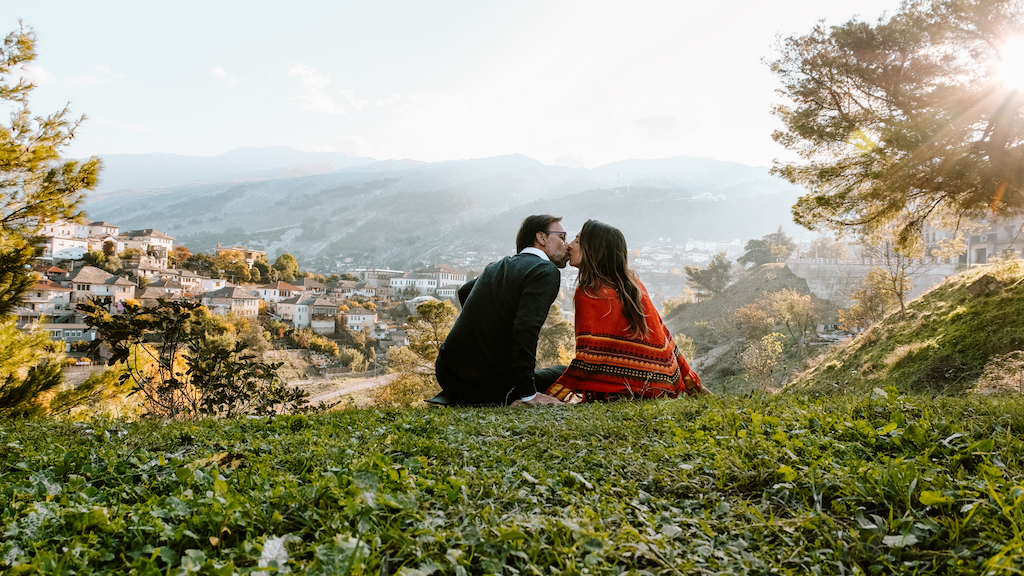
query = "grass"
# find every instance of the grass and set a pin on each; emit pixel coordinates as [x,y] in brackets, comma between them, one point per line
[943,343]
[789,484]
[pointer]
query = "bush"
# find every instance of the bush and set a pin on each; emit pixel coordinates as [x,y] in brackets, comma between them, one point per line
[352,358]
[406,389]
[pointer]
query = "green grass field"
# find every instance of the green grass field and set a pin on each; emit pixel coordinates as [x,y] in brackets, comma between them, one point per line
[787,484]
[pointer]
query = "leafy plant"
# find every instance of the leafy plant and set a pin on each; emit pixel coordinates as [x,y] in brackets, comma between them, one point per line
[182,370]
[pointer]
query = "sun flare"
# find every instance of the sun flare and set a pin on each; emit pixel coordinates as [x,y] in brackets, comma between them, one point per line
[1011,64]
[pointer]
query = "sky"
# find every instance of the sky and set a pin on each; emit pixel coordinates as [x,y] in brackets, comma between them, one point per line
[566,82]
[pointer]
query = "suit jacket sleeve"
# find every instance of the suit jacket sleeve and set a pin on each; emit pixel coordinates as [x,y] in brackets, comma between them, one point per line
[464,291]
[539,291]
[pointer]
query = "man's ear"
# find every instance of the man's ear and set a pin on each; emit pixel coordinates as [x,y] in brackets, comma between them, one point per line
[541,239]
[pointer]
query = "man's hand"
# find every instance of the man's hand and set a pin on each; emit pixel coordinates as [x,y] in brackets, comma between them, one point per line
[538,400]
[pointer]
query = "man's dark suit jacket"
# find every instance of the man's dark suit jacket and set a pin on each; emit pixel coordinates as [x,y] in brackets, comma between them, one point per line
[490,354]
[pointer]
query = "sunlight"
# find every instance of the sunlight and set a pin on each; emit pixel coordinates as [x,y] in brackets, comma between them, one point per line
[1011,64]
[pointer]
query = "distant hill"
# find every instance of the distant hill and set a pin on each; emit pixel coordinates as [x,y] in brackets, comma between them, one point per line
[396,212]
[949,340]
[144,171]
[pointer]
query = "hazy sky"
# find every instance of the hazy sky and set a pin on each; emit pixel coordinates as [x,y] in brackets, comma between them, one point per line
[576,83]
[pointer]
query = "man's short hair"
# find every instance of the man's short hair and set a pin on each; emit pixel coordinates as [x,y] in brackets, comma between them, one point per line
[531,225]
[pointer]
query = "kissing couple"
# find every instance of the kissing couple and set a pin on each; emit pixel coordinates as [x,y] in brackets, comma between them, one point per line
[623,349]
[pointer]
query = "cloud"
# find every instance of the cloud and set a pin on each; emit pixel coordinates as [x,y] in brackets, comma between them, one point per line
[315,99]
[96,76]
[222,73]
[34,74]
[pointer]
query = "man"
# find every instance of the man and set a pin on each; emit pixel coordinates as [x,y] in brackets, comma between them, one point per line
[490,354]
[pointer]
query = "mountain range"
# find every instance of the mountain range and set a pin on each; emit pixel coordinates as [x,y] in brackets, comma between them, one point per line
[325,207]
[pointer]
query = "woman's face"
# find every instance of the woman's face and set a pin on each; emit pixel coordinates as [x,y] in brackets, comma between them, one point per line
[575,252]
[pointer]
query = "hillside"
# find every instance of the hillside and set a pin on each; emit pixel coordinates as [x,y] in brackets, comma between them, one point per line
[949,340]
[401,212]
[744,290]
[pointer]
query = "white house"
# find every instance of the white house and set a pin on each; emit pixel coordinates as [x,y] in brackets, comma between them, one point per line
[296,310]
[64,248]
[323,314]
[44,298]
[232,300]
[211,284]
[445,275]
[357,318]
[309,285]
[421,282]
[89,283]
[172,287]
[277,291]
[68,240]
[144,239]
[70,333]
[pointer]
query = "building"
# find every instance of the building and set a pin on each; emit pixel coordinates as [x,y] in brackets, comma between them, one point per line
[357,318]
[444,275]
[306,284]
[172,287]
[277,291]
[376,281]
[144,240]
[90,283]
[412,281]
[296,310]
[44,298]
[980,245]
[323,314]
[70,333]
[66,240]
[231,300]
[248,254]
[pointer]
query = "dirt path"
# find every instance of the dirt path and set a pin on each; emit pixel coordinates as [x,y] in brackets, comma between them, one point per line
[355,388]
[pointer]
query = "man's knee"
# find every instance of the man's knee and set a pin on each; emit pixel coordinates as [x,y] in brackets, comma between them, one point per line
[545,377]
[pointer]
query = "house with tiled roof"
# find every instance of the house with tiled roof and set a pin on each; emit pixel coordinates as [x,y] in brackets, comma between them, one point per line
[150,242]
[309,285]
[357,318]
[296,310]
[170,286]
[444,274]
[277,291]
[91,283]
[231,300]
[44,298]
[323,314]
[150,296]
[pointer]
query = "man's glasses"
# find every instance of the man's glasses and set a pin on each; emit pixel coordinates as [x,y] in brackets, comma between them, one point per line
[561,234]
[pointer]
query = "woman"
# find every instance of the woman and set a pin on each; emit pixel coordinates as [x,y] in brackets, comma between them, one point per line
[623,349]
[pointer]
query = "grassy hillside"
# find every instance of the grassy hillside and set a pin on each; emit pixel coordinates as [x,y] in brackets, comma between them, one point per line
[788,484]
[747,289]
[710,324]
[947,341]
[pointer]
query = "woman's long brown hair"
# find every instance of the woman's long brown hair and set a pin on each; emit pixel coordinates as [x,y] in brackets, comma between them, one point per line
[606,263]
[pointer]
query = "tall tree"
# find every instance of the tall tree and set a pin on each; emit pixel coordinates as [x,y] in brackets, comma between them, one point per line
[774,247]
[908,120]
[232,265]
[288,266]
[796,311]
[712,279]
[413,365]
[36,184]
